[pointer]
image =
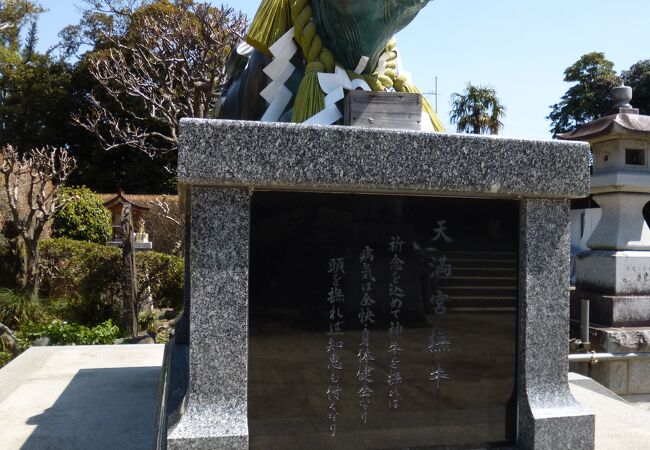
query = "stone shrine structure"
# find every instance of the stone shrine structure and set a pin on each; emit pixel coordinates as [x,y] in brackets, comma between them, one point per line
[235,175]
[614,274]
[115,206]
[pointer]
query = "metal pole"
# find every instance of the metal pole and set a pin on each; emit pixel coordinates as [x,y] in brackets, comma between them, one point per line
[596,357]
[436,95]
[584,323]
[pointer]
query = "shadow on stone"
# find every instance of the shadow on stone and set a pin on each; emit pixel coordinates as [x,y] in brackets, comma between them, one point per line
[108,408]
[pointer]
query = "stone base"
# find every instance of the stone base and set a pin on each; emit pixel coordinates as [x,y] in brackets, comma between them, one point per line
[570,427]
[622,377]
[208,429]
[621,273]
[198,428]
[173,391]
[612,310]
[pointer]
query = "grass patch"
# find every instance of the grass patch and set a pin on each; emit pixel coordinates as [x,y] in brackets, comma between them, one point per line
[64,333]
[16,310]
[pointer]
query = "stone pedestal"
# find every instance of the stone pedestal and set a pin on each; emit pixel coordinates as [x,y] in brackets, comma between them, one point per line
[222,163]
[614,272]
[622,377]
[622,226]
[613,310]
[617,284]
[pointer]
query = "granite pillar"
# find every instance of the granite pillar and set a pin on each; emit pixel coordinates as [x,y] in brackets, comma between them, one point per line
[549,416]
[182,327]
[216,414]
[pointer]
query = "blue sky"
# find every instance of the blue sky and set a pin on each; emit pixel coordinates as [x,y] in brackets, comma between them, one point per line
[519,47]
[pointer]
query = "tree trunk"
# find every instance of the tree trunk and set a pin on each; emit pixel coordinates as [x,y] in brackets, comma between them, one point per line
[13,264]
[129,281]
[30,269]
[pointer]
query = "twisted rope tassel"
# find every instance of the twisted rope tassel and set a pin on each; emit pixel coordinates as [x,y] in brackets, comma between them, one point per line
[272,20]
[310,99]
[390,78]
[386,75]
[435,121]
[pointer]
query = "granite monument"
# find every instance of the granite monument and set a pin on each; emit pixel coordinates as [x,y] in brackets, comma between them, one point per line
[328,298]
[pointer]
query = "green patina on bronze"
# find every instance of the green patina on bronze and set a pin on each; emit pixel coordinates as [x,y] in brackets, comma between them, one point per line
[328,32]
[351,29]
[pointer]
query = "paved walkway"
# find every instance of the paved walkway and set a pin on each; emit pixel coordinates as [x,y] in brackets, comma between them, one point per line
[619,425]
[80,397]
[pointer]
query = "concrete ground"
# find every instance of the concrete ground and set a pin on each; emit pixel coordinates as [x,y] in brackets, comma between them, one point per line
[104,397]
[641,401]
[619,424]
[80,397]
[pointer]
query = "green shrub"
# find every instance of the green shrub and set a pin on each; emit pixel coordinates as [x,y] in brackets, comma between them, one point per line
[90,310]
[9,260]
[61,308]
[5,357]
[65,333]
[147,321]
[163,275]
[83,217]
[89,277]
[16,310]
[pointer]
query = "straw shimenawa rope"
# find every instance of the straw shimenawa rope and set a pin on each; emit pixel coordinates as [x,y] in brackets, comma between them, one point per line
[310,99]
[274,18]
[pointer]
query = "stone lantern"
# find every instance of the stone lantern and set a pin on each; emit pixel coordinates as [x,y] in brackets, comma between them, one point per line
[614,274]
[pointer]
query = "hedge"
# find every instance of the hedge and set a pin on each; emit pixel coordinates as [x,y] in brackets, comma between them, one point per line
[90,274]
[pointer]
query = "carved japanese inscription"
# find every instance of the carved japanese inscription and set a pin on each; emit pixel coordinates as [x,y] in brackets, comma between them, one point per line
[382,322]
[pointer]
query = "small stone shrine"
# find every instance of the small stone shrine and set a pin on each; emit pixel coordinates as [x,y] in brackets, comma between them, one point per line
[614,274]
[115,206]
[354,288]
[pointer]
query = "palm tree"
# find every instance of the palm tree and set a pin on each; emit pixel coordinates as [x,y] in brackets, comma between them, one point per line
[477,110]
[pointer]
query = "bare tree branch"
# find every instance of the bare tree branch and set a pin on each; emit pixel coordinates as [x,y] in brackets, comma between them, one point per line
[164,210]
[41,173]
[169,64]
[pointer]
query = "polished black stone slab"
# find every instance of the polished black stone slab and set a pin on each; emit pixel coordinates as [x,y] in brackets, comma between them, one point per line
[331,275]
